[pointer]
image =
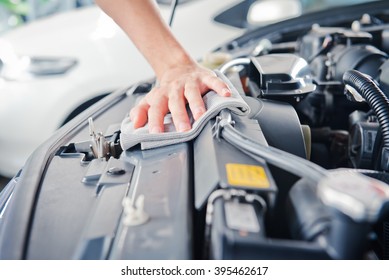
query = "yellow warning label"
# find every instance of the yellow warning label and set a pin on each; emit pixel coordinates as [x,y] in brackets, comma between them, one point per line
[247,175]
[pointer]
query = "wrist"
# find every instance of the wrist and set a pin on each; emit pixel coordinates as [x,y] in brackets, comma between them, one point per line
[174,58]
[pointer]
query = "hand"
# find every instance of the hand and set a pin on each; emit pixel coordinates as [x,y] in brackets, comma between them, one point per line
[178,86]
[181,79]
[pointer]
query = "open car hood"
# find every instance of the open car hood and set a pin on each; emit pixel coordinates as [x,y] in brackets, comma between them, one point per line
[301,176]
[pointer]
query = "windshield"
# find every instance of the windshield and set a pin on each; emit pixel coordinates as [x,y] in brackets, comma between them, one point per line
[253,13]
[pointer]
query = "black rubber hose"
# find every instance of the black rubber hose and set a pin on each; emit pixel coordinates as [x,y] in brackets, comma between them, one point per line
[374,97]
[386,241]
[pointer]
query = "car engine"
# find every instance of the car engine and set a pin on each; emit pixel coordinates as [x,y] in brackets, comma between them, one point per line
[323,97]
[303,176]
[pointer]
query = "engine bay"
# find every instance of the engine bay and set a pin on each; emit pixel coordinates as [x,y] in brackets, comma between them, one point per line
[322,96]
[316,189]
[303,176]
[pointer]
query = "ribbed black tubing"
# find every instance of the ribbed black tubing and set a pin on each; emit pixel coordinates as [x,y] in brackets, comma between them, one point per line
[374,96]
[386,240]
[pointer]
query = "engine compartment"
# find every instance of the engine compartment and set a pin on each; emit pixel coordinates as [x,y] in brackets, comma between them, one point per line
[336,80]
[303,176]
[311,97]
[329,52]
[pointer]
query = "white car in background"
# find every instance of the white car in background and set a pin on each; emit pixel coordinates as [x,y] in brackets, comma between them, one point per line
[53,68]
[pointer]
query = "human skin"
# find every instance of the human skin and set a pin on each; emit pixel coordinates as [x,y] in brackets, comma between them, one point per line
[181,79]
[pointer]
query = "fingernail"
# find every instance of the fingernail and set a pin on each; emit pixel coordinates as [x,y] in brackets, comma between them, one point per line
[226,92]
[183,127]
[155,129]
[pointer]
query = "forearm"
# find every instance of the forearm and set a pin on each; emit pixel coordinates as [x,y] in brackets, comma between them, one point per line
[141,21]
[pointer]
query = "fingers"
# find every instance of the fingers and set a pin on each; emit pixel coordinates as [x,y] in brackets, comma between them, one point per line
[152,109]
[177,88]
[157,111]
[178,109]
[193,96]
[138,115]
[216,84]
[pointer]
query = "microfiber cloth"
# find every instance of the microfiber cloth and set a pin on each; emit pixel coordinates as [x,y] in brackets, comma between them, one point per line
[213,102]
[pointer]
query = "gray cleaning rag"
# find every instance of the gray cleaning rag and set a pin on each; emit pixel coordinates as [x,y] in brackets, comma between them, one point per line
[214,103]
